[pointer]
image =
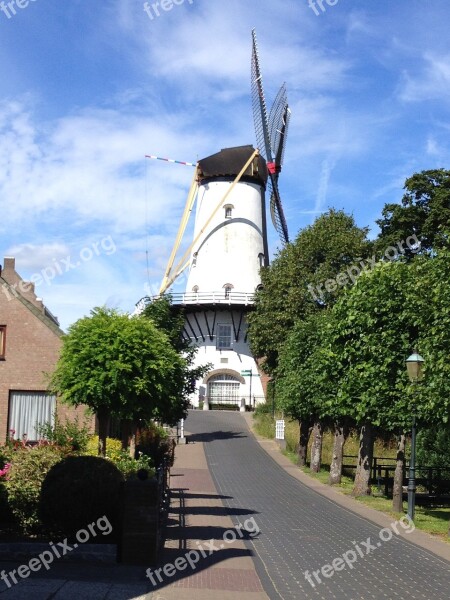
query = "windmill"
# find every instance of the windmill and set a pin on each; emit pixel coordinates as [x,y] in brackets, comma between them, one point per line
[228,249]
[271,133]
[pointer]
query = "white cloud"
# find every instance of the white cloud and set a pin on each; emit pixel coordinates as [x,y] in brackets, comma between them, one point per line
[431,83]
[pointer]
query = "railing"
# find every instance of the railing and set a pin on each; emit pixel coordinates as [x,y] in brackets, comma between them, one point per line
[214,298]
[163,478]
[434,480]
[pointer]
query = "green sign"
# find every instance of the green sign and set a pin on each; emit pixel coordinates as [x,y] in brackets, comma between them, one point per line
[248,372]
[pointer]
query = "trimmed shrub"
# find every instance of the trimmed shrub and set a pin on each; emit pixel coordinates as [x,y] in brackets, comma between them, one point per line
[78,491]
[28,470]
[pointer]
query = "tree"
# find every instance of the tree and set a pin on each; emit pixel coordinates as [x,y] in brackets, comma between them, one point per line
[171,321]
[306,276]
[424,211]
[120,367]
[305,386]
[308,384]
[376,328]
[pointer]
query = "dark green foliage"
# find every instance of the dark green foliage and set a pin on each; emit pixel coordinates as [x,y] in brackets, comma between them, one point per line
[78,491]
[433,447]
[424,211]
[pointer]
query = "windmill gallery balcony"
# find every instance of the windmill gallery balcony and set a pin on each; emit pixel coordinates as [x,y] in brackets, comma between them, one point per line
[228,298]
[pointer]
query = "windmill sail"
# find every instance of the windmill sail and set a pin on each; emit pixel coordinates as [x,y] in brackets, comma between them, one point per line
[271,132]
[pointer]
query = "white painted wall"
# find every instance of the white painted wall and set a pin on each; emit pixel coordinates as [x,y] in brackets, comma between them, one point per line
[229,248]
[238,359]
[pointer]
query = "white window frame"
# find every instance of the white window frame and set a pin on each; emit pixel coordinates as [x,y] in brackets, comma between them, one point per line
[222,338]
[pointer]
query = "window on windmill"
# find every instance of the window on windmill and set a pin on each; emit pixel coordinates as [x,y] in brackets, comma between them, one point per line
[261,259]
[195,289]
[194,259]
[227,288]
[223,337]
[228,211]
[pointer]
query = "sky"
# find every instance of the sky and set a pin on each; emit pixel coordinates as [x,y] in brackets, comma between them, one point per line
[88,88]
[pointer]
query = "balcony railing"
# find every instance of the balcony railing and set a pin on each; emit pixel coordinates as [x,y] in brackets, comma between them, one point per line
[214,298]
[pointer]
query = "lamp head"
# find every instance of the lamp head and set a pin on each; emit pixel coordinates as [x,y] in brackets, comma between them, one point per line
[414,366]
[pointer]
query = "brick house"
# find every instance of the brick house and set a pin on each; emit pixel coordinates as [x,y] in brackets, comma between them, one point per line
[30,341]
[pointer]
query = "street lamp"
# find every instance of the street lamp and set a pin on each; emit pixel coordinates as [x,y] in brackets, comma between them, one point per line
[414,366]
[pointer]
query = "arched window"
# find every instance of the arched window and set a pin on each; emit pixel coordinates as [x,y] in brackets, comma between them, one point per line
[223,389]
[227,288]
[228,211]
[195,289]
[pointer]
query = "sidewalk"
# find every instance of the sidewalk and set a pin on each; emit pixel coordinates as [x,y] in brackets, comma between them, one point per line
[198,521]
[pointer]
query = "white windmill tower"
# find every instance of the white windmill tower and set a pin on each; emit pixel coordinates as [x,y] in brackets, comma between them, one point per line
[228,250]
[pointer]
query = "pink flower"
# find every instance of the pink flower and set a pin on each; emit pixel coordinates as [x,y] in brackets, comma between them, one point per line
[5,469]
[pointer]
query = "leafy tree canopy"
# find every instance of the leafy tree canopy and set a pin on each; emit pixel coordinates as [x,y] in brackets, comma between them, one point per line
[424,211]
[122,366]
[303,279]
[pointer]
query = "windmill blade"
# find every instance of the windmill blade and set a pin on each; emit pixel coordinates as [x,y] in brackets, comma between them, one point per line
[259,106]
[276,210]
[279,123]
[283,137]
[276,118]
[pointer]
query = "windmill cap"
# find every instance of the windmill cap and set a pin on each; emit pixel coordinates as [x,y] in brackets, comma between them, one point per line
[229,162]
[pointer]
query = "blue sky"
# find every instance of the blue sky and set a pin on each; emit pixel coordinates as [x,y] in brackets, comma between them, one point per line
[88,88]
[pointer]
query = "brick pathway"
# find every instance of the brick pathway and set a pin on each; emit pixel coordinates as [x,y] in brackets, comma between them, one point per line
[302,530]
[200,527]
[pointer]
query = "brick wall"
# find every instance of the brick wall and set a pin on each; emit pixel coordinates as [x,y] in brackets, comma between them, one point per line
[33,342]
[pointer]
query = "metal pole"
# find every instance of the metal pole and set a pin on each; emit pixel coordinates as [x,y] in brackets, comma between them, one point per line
[251,373]
[273,398]
[412,473]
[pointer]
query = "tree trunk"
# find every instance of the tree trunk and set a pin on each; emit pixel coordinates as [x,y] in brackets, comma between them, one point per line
[103,424]
[341,431]
[397,498]
[129,436]
[316,448]
[305,432]
[361,486]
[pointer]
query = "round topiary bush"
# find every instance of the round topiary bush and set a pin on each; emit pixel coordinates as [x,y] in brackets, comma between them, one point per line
[78,491]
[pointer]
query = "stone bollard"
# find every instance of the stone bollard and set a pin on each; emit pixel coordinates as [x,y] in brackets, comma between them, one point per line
[242,407]
[205,404]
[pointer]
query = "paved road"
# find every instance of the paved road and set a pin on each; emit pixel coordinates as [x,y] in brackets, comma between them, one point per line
[304,531]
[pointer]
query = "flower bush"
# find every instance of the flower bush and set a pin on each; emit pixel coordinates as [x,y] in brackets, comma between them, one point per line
[71,436]
[26,473]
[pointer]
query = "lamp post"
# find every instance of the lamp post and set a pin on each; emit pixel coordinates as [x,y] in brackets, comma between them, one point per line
[414,366]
